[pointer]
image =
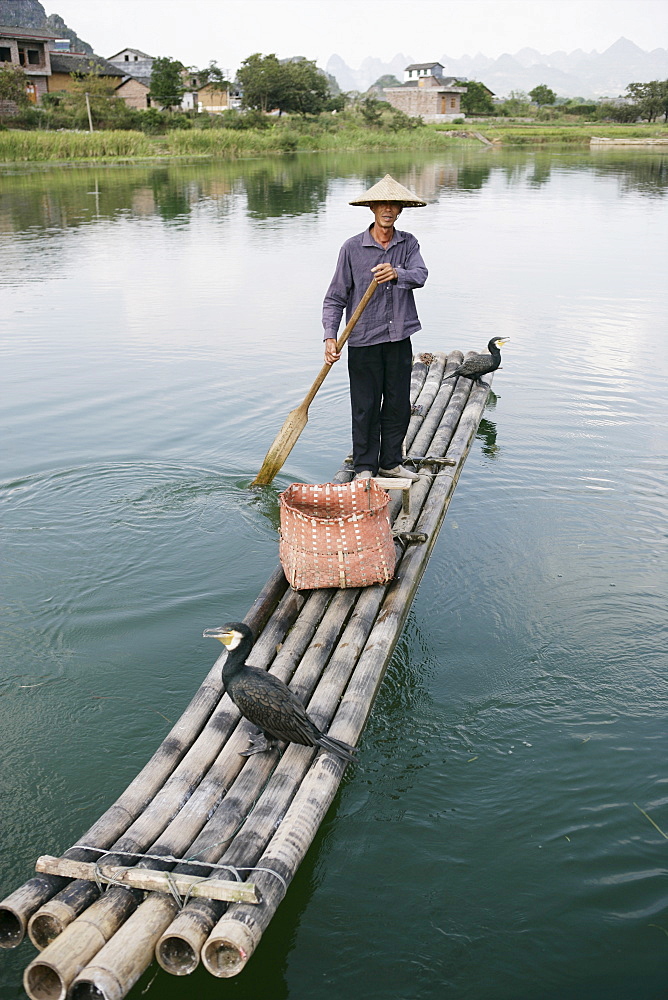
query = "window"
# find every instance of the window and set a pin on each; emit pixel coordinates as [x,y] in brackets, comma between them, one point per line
[453,102]
[34,57]
[5,54]
[127,58]
[136,58]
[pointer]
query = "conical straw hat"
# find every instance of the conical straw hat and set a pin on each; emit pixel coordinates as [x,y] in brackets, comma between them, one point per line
[389,190]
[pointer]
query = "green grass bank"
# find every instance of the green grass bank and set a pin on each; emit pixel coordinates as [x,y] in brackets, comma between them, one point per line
[293,136]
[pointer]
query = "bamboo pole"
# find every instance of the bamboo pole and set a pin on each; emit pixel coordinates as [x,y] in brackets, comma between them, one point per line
[238,932]
[426,397]
[423,436]
[17,908]
[418,375]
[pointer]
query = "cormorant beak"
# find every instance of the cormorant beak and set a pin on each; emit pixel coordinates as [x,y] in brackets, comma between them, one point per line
[221,634]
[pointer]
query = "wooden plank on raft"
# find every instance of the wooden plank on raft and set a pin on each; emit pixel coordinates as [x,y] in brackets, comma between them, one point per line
[151,881]
[258,814]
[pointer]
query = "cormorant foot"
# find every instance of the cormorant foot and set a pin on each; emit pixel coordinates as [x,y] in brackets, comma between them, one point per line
[258,744]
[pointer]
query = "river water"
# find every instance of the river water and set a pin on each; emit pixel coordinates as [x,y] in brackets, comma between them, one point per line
[505,833]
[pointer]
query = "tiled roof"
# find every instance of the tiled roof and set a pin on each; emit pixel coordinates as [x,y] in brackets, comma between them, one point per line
[450,83]
[428,65]
[78,62]
[30,33]
[136,52]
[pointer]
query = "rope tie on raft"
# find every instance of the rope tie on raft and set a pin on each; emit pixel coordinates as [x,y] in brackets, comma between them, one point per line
[181,901]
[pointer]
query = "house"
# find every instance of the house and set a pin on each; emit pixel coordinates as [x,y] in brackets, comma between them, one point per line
[417,71]
[66,67]
[202,96]
[29,48]
[135,90]
[47,62]
[133,62]
[427,93]
[213,99]
[135,67]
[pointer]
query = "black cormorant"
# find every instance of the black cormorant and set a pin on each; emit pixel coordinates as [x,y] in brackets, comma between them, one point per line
[481,364]
[266,701]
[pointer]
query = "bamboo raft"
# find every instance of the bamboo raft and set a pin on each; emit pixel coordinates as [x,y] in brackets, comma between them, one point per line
[191,862]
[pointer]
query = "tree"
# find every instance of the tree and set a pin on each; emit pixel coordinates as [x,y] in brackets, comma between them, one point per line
[477,99]
[292,85]
[650,99]
[262,80]
[542,95]
[306,88]
[13,85]
[69,109]
[212,76]
[166,83]
[372,112]
[517,103]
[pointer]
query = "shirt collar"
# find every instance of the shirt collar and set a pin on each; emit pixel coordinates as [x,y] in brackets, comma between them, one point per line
[368,240]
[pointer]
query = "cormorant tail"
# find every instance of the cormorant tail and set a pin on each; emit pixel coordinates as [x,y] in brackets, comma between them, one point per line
[338,747]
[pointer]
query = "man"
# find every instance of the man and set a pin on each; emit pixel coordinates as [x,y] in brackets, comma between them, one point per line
[380,354]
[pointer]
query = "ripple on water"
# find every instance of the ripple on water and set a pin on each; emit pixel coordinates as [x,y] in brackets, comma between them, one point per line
[123,541]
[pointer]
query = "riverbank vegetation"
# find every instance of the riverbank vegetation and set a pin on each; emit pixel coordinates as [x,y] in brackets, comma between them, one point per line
[288,135]
[60,129]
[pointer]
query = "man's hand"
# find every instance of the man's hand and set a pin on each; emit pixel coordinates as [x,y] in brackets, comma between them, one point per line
[331,353]
[384,272]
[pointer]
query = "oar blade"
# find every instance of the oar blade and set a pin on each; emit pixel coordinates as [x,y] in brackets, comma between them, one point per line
[284,442]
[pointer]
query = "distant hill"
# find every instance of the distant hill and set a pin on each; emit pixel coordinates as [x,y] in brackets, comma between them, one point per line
[31,14]
[569,74]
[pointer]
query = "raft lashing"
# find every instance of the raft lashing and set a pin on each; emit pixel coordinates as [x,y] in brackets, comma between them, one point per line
[191,862]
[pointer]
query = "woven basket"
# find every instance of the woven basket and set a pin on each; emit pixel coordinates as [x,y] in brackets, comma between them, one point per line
[336,535]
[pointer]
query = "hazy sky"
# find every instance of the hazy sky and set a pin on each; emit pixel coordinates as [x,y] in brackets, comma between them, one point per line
[196,31]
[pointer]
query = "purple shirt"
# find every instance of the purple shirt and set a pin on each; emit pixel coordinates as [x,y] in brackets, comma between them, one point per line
[390,313]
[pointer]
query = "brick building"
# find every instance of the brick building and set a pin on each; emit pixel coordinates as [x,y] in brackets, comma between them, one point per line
[28,48]
[427,93]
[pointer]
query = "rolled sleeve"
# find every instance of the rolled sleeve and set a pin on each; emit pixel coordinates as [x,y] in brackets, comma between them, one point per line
[414,272]
[337,295]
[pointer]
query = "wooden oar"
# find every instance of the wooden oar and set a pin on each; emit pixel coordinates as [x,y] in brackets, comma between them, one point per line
[296,420]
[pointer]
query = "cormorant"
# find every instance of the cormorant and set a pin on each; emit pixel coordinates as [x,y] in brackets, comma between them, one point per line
[266,701]
[481,364]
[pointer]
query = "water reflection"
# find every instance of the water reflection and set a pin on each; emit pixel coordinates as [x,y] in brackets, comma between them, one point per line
[284,186]
[486,434]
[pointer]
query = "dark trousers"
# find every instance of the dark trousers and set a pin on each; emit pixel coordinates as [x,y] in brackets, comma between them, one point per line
[380,382]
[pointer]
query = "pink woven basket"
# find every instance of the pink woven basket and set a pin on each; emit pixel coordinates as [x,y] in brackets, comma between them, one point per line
[336,535]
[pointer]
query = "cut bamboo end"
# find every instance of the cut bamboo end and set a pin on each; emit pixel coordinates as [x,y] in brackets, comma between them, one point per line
[178,950]
[176,954]
[229,947]
[42,982]
[49,976]
[49,921]
[18,907]
[12,927]
[97,984]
